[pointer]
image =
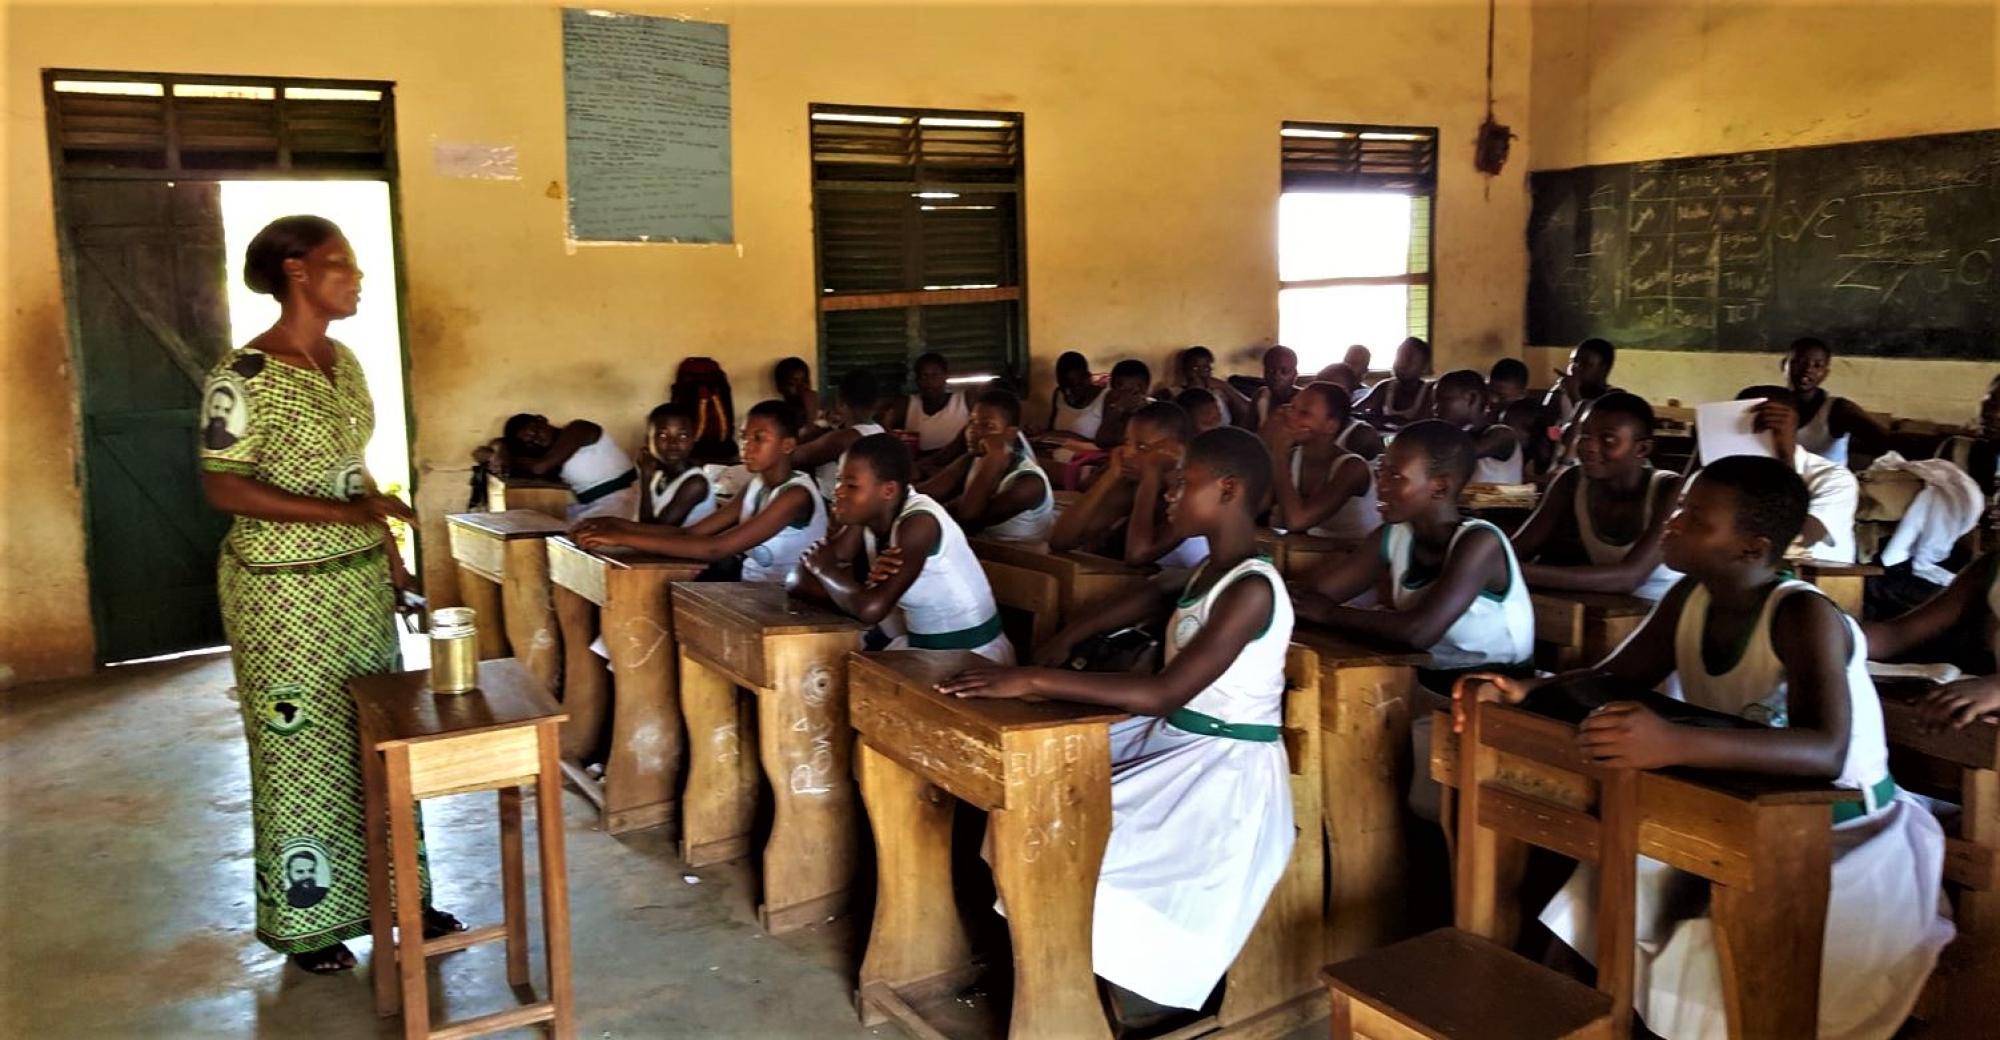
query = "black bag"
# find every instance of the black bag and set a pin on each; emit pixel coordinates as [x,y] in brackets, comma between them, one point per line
[1125,650]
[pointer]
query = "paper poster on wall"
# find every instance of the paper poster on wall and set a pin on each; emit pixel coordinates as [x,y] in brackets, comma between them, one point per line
[646,102]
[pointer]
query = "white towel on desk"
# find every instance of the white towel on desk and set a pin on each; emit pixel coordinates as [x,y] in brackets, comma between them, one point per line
[1938,517]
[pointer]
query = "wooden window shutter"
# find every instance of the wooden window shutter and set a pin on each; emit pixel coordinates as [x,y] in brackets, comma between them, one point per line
[1353,157]
[117,124]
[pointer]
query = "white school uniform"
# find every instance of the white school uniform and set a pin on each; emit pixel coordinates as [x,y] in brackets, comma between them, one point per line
[1357,517]
[1817,437]
[1885,920]
[1494,630]
[936,431]
[828,473]
[950,606]
[1083,422]
[1604,554]
[664,488]
[775,558]
[593,473]
[1201,821]
[1029,527]
[1499,471]
[1836,494]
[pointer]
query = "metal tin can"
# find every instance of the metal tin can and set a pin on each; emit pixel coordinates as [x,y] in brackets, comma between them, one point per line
[454,650]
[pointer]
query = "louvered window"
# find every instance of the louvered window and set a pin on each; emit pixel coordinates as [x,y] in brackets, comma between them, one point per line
[1354,237]
[142,125]
[917,226]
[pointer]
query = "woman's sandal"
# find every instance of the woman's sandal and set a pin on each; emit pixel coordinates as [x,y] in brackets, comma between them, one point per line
[327,960]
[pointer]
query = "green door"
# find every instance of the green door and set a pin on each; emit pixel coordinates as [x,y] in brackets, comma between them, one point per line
[145,265]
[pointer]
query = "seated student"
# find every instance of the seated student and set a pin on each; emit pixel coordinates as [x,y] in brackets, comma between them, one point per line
[678,492]
[852,418]
[1194,368]
[1745,641]
[1455,590]
[1459,398]
[1281,384]
[936,413]
[1959,626]
[1828,533]
[1320,487]
[768,525]
[1132,490]
[996,489]
[1977,451]
[1405,397]
[581,454]
[1204,411]
[1129,382]
[1506,383]
[1356,435]
[1076,406]
[1201,805]
[1826,423]
[792,379]
[1608,511]
[1587,378]
[1356,359]
[924,589]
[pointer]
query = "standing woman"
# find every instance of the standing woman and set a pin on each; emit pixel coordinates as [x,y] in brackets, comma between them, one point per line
[310,583]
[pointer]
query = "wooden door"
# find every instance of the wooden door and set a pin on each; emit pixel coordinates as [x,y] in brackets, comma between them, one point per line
[144,260]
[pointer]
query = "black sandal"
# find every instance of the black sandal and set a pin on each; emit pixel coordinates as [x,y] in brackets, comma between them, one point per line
[327,960]
[438,924]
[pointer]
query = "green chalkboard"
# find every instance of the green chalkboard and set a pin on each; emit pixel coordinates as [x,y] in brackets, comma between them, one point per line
[1883,248]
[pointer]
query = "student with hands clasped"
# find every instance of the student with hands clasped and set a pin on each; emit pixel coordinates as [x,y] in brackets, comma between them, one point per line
[1201,807]
[1746,641]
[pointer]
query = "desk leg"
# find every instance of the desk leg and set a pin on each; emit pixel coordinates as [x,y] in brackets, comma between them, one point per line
[806,741]
[513,887]
[483,596]
[917,946]
[643,770]
[531,617]
[1770,937]
[586,684]
[719,803]
[1365,715]
[381,920]
[555,882]
[410,960]
[1979,823]
[1048,847]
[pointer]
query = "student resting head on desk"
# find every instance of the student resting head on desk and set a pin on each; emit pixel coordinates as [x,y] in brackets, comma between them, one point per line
[997,489]
[677,492]
[1604,517]
[1745,641]
[1201,803]
[1281,384]
[852,418]
[766,527]
[1959,626]
[1828,533]
[581,454]
[898,561]
[1404,397]
[1132,488]
[1320,487]
[1459,398]
[1826,423]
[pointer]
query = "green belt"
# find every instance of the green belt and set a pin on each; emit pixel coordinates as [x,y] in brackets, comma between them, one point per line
[1879,793]
[964,639]
[612,486]
[1210,726]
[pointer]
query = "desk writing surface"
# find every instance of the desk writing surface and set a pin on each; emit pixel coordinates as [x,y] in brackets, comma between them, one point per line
[628,559]
[514,523]
[1811,569]
[916,673]
[1337,649]
[1609,604]
[399,707]
[1975,746]
[762,606]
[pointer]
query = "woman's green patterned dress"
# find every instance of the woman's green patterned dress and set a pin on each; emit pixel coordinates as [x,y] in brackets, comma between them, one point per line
[306,606]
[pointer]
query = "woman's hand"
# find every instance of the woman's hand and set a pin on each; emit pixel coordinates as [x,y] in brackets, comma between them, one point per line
[1054,653]
[1627,734]
[375,506]
[990,681]
[1486,686]
[1956,705]
[604,532]
[888,563]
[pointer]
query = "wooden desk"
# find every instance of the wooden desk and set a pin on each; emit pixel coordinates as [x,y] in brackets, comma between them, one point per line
[548,497]
[417,744]
[1765,846]
[503,573]
[1962,765]
[1576,629]
[1295,554]
[1042,771]
[1365,694]
[621,593]
[1844,583]
[792,657]
[1081,578]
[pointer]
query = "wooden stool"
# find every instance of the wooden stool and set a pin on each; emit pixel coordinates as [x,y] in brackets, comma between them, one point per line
[792,657]
[1042,771]
[417,744]
[503,573]
[1521,782]
[621,593]
[548,497]
[1577,629]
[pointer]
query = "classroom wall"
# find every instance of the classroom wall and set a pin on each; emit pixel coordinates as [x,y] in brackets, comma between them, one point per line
[1617,81]
[1152,145]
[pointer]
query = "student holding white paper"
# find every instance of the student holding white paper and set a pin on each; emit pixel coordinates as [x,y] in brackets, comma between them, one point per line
[1828,534]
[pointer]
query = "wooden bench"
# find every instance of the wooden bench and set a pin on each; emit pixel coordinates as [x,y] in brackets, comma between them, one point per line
[792,658]
[1295,554]
[503,574]
[621,594]
[1844,583]
[548,497]
[1029,598]
[1042,771]
[1525,784]
[1577,629]
[1764,844]
[1365,695]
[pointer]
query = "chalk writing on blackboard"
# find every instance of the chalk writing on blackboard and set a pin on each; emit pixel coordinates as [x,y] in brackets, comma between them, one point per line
[646,102]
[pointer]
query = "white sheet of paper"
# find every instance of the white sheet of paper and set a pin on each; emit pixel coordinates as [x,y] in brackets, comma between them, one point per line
[1723,429]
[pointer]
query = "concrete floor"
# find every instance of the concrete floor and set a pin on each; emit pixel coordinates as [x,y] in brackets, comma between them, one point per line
[125,899]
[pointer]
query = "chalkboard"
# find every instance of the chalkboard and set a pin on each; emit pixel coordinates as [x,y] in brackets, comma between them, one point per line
[1883,248]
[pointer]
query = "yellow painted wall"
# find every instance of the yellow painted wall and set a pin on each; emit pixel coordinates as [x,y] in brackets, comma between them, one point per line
[1618,81]
[1151,197]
